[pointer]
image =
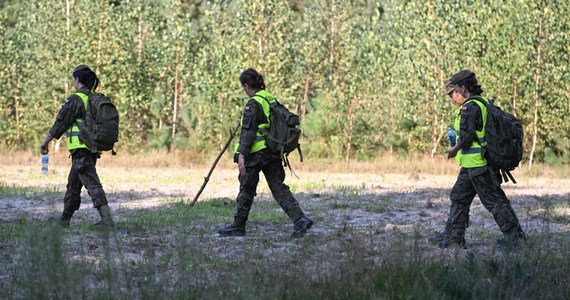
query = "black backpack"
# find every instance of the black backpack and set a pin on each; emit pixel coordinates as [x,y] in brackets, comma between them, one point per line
[100,131]
[283,136]
[504,134]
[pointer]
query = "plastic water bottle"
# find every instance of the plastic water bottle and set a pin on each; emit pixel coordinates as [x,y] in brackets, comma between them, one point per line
[451,136]
[45,161]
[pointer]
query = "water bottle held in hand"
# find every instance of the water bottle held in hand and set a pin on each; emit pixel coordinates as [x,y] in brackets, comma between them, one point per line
[45,161]
[451,136]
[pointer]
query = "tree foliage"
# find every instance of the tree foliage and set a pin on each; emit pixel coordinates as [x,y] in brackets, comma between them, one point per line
[366,76]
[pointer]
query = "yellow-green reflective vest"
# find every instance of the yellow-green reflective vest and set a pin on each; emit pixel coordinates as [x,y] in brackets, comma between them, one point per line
[472,157]
[72,133]
[262,128]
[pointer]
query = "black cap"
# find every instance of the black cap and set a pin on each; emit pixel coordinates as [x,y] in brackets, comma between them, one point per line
[456,79]
[460,76]
[79,68]
[449,87]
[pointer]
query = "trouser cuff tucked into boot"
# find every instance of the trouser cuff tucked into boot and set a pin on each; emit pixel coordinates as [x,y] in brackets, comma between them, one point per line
[301,226]
[65,218]
[512,239]
[63,221]
[457,238]
[438,237]
[106,219]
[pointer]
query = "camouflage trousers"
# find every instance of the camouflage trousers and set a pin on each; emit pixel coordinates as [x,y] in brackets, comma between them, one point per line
[263,161]
[83,173]
[486,183]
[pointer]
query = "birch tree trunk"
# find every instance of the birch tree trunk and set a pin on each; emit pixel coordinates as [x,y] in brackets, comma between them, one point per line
[176,92]
[537,80]
[57,143]
[305,98]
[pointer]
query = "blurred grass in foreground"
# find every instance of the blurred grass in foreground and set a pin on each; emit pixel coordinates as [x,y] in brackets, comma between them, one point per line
[172,251]
[44,261]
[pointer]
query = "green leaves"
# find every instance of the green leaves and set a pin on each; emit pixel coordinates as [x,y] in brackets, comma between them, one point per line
[358,72]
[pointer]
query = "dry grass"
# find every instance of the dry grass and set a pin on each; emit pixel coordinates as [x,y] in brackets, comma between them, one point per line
[372,220]
[385,163]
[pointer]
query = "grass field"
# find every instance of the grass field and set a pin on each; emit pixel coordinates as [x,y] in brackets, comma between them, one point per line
[372,221]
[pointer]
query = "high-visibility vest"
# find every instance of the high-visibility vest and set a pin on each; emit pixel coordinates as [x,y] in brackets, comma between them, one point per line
[73,141]
[262,128]
[472,157]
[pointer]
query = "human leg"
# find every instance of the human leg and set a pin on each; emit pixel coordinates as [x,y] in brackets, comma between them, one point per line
[495,201]
[87,172]
[275,176]
[72,198]
[461,197]
[244,200]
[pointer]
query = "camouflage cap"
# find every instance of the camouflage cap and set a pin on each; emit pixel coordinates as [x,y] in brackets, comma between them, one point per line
[449,87]
[460,76]
[457,78]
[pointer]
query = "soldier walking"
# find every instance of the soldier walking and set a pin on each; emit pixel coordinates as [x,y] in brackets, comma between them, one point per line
[252,157]
[475,176]
[83,171]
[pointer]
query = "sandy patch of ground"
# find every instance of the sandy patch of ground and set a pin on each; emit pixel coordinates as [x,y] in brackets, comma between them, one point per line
[360,200]
[343,205]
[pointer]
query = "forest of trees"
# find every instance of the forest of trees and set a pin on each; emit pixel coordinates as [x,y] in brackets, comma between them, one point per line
[365,76]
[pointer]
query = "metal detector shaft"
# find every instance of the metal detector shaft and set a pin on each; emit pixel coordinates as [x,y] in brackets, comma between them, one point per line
[207,178]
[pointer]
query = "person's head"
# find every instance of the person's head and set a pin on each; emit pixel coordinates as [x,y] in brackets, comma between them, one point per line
[461,86]
[83,76]
[251,81]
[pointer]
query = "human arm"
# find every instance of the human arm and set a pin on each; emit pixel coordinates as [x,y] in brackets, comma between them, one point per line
[44,147]
[471,121]
[252,116]
[69,111]
[241,163]
[452,152]
[250,119]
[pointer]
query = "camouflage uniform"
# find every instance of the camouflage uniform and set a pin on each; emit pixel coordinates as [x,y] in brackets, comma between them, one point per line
[275,175]
[484,181]
[272,168]
[83,171]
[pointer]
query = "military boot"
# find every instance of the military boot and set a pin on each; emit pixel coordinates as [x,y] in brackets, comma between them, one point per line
[440,236]
[512,239]
[106,219]
[520,233]
[457,238]
[301,226]
[62,221]
[232,230]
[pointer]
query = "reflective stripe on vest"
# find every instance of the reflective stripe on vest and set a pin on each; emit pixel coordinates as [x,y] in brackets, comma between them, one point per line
[262,128]
[73,141]
[472,158]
